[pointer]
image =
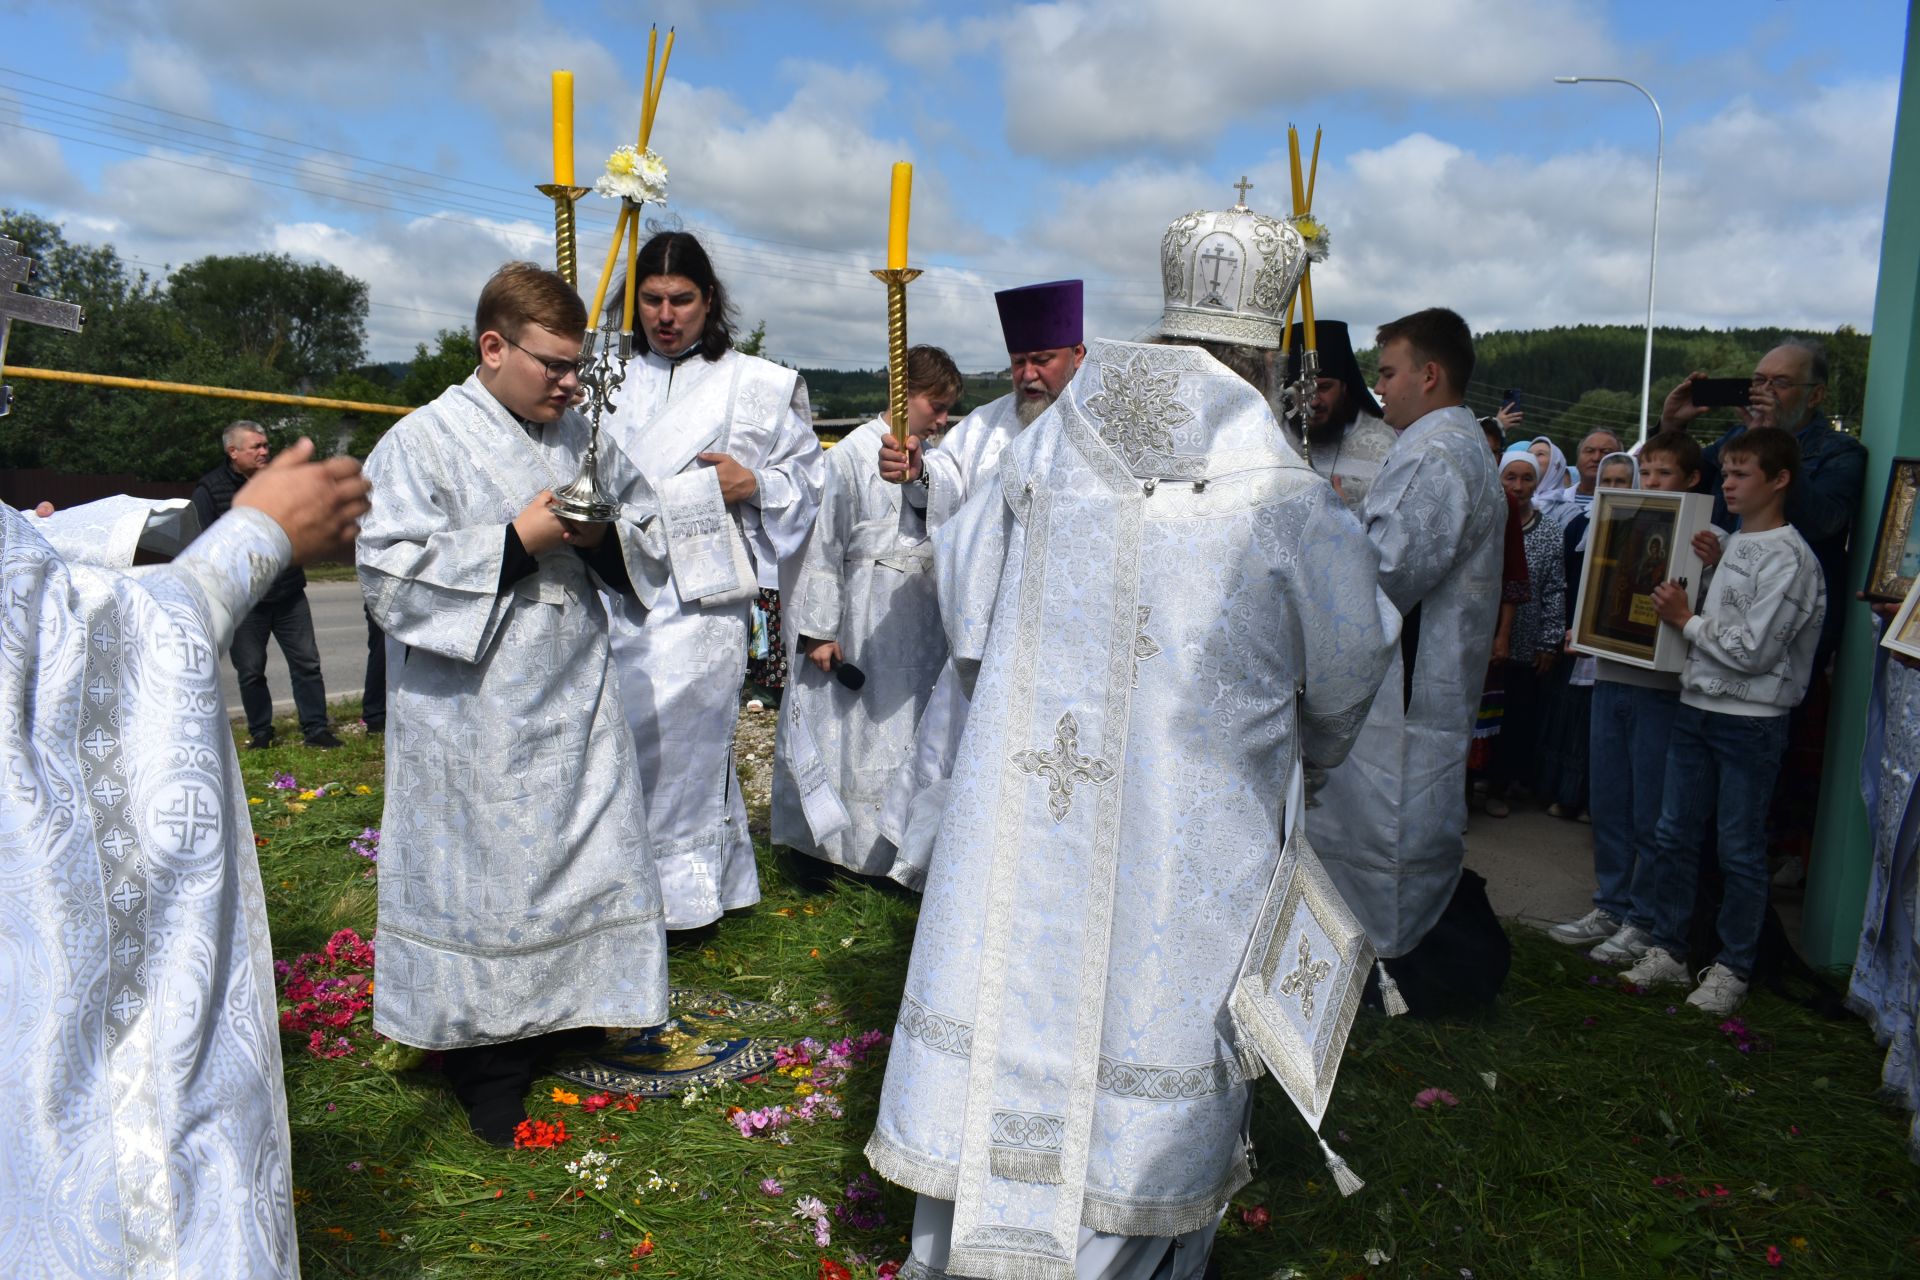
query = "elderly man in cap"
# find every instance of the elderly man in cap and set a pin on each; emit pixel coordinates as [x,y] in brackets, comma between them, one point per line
[1345,440]
[1043,331]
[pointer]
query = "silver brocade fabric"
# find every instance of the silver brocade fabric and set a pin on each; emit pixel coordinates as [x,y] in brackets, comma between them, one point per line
[1885,985]
[518,893]
[1354,460]
[1151,579]
[865,582]
[910,815]
[1390,822]
[681,665]
[139,1047]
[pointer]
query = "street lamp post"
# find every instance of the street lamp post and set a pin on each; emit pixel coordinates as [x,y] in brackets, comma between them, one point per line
[1653,255]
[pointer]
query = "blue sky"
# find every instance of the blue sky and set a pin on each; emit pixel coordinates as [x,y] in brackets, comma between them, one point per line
[1049,140]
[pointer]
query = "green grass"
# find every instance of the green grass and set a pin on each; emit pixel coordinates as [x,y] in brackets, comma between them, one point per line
[1550,1171]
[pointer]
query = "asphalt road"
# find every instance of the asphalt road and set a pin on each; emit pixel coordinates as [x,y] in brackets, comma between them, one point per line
[341,630]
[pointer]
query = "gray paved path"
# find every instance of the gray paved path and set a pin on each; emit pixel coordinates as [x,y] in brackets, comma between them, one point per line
[341,630]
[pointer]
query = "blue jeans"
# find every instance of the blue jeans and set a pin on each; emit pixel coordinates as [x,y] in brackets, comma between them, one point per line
[1726,766]
[1627,769]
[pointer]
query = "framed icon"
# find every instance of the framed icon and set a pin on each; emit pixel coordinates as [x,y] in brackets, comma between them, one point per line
[1896,545]
[1903,633]
[1636,540]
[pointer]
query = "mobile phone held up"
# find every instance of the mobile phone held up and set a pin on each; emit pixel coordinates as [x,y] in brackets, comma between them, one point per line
[1510,398]
[1721,393]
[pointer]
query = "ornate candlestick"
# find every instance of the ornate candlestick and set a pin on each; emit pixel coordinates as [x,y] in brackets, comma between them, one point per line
[563,197]
[584,501]
[896,279]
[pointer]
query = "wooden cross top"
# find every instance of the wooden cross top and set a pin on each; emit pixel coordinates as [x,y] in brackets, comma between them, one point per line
[15,271]
[1243,186]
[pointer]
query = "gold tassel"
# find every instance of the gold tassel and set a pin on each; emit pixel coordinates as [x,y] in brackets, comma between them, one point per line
[1343,1177]
[1390,998]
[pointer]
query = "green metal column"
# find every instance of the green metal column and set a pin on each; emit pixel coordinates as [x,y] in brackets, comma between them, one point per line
[1890,427]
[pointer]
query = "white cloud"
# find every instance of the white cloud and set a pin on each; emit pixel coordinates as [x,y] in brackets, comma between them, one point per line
[167,76]
[32,169]
[1085,78]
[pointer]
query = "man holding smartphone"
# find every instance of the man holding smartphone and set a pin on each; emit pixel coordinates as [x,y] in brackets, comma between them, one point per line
[1789,385]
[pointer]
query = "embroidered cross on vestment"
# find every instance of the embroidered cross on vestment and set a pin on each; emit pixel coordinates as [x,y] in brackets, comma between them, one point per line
[1063,766]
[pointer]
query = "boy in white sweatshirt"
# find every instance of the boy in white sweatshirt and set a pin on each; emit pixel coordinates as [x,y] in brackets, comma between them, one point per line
[1750,658]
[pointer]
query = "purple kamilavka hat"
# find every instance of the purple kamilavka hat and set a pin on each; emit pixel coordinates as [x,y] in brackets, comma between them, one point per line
[1039,317]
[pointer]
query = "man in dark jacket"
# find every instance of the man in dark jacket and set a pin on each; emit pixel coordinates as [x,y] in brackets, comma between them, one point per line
[282,612]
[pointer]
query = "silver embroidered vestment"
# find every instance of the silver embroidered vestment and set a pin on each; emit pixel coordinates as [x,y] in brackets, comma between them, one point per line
[865,582]
[963,462]
[139,1045]
[1145,586]
[518,893]
[682,663]
[1391,821]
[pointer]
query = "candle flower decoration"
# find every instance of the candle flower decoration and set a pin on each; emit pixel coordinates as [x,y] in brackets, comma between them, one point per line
[1314,235]
[634,174]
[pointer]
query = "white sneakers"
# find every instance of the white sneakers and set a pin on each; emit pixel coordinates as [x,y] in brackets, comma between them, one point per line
[1657,968]
[1595,926]
[1720,991]
[1624,947]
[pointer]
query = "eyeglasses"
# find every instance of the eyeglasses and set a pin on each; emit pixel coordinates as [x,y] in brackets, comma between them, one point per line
[1776,383]
[555,370]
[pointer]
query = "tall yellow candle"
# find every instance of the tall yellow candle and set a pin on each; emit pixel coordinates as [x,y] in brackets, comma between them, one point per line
[1313,169]
[606,270]
[646,90]
[633,282]
[656,81]
[897,207]
[1293,166]
[563,128]
[1306,307]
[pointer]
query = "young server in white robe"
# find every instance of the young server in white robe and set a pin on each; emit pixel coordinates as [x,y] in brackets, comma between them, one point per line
[864,603]
[1390,823]
[518,895]
[1041,324]
[692,403]
[1138,597]
[141,1050]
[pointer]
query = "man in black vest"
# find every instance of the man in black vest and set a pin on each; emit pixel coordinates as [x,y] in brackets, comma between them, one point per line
[282,612]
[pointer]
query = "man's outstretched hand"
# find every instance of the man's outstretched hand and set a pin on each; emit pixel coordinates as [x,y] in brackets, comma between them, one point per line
[317,504]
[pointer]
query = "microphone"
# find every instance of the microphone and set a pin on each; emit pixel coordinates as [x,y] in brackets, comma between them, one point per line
[849,675]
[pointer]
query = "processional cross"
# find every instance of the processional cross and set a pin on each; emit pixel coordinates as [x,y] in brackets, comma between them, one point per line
[15,271]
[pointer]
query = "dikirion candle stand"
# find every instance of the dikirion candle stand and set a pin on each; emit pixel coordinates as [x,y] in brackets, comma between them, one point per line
[634,175]
[1300,392]
[897,276]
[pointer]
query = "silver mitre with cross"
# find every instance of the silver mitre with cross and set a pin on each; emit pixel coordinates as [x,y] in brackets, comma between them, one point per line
[1228,276]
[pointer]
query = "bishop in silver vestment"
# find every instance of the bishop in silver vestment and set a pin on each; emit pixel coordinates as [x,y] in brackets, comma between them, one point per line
[1139,593]
[139,1045]
[1042,325]
[866,584]
[518,894]
[1390,824]
[682,661]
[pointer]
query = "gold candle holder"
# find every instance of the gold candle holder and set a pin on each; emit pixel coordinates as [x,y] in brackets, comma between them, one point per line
[565,260]
[896,279]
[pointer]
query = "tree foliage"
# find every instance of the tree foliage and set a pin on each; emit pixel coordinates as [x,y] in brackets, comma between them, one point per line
[307,320]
